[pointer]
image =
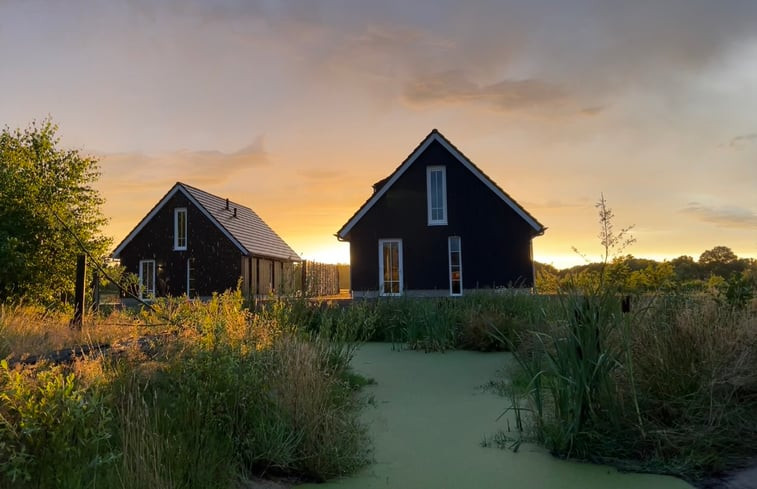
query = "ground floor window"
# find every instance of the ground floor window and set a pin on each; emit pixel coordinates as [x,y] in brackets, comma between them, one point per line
[455,266]
[390,266]
[146,279]
[191,278]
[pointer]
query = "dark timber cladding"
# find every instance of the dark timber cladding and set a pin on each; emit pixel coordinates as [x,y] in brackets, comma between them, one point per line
[495,232]
[196,243]
[155,241]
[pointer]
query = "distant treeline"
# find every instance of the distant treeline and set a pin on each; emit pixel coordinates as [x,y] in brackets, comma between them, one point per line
[716,268]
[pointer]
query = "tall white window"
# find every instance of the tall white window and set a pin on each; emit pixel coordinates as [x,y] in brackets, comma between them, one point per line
[146,279]
[190,278]
[180,229]
[390,267]
[455,266]
[436,194]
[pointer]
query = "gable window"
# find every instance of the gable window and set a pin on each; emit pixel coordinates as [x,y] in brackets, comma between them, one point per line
[436,194]
[180,229]
[455,266]
[146,279]
[390,267]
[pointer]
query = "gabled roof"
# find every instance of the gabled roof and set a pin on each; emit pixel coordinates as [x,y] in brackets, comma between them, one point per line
[247,230]
[382,186]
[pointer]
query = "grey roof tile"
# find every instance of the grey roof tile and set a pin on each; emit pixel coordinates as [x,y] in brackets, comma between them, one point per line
[247,227]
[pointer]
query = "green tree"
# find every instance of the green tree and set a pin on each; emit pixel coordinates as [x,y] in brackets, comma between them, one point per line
[720,260]
[654,277]
[686,268]
[47,206]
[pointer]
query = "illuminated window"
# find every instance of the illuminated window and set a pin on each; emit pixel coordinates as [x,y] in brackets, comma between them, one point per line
[146,279]
[436,193]
[180,229]
[455,266]
[390,267]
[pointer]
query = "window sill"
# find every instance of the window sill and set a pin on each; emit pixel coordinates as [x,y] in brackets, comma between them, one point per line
[437,223]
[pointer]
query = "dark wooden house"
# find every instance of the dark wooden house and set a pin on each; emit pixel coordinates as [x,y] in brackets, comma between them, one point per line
[195,243]
[439,226]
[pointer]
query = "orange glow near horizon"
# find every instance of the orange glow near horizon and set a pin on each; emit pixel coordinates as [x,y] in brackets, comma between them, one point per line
[296,110]
[307,206]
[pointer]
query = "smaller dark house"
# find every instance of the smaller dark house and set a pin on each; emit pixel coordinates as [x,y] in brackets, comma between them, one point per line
[194,243]
[439,226]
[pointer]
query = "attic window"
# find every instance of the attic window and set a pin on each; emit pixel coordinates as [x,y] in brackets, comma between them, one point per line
[436,192]
[180,229]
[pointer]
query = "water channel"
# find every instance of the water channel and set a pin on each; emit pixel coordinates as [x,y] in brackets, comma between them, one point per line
[429,417]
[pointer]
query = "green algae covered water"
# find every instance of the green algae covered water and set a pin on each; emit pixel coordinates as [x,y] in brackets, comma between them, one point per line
[430,417]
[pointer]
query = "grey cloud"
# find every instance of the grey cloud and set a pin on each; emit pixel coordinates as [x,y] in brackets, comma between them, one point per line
[732,217]
[592,48]
[743,140]
[193,167]
[592,111]
[506,95]
[541,51]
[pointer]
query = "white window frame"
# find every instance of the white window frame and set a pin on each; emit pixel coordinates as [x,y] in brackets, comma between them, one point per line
[144,292]
[177,246]
[449,258]
[430,170]
[189,277]
[381,243]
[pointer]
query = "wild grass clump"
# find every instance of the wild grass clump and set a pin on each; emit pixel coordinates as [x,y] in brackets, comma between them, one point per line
[666,385]
[670,387]
[477,321]
[420,324]
[27,329]
[236,394]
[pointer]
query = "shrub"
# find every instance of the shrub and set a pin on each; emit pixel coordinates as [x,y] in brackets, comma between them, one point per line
[54,431]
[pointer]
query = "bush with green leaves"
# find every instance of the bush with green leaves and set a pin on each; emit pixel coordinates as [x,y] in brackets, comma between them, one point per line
[55,431]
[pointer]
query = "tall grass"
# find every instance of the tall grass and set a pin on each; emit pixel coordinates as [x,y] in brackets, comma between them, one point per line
[475,321]
[671,387]
[34,330]
[236,394]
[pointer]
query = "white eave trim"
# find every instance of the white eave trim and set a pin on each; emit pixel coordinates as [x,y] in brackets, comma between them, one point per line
[435,136]
[176,188]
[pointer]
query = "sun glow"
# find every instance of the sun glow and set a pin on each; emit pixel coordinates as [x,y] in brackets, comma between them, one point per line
[336,253]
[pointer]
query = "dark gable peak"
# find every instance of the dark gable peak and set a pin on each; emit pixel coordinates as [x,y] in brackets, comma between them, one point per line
[382,186]
[240,224]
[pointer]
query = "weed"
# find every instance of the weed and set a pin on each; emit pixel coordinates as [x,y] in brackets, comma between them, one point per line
[236,394]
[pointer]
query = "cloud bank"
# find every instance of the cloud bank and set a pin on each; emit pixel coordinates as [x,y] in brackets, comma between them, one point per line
[727,216]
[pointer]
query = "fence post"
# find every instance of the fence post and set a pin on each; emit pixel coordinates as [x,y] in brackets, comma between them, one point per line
[95,291]
[81,272]
[304,283]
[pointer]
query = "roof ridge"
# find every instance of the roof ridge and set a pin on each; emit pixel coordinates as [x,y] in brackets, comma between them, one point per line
[213,195]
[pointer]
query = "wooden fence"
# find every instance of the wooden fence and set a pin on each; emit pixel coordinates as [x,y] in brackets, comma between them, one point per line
[316,279]
[306,278]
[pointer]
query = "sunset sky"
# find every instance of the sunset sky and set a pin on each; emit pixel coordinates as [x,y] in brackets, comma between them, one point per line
[296,108]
